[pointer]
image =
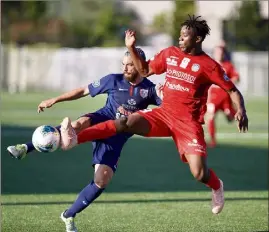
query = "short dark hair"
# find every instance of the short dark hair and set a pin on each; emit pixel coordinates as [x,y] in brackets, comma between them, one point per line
[200,26]
[140,52]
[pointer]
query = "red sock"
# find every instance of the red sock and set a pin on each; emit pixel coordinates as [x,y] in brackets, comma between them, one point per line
[213,181]
[212,129]
[99,131]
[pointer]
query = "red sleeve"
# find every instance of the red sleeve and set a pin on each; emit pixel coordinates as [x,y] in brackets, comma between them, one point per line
[220,78]
[233,73]
[158,62]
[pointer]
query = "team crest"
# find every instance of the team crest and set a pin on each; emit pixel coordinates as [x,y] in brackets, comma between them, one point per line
[144,93]
[195,67]
[96,83]
[226,78]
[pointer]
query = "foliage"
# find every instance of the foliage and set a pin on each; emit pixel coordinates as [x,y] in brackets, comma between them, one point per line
[161,23]
[85,23]
[170,22]
[248,31]
[180,14]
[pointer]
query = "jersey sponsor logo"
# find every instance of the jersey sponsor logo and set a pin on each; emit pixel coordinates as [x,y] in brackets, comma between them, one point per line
[177,87]
[171,61]
[131,102]
[225,77]
[180,75]
[197,146]
[184,63]
[195,67]
[144,93]
[96,84]
[129,107]
[120,89]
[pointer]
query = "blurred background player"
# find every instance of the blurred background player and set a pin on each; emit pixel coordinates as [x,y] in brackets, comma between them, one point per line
[227,53]
[218,99]
[127,93]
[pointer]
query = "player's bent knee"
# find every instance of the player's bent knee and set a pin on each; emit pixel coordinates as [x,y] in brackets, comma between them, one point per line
[103,175]
[137,124]
[121,125]
[81,124]
[198,173]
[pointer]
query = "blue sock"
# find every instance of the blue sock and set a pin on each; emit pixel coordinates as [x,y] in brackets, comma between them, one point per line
[30,146]
[85,198]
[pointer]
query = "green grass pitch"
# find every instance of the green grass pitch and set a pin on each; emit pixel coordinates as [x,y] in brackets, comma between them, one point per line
[152,189]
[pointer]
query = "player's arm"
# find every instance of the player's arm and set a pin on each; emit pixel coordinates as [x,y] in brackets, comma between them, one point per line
[156,65]
[220,78]
[68,96]
[141,65]
[159,90]
[237,99]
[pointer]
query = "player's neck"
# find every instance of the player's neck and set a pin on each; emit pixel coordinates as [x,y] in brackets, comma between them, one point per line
[196,51]
[137,81]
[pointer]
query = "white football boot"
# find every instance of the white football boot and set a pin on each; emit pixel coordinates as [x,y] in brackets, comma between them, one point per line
[68,135]
[218,199]
[69,223]
[18,151]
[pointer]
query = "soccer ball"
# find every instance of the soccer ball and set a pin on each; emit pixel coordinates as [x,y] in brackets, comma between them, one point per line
[46,138]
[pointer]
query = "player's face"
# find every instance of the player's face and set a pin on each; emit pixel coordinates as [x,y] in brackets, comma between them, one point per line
[218,54]
[187,39]
[128,68]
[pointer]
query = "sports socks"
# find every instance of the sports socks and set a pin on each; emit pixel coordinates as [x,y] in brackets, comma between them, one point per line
[30,146]
[85,198]
[99,131]
[213,182]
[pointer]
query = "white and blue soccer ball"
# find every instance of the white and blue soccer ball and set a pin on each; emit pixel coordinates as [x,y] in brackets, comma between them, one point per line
[46,138]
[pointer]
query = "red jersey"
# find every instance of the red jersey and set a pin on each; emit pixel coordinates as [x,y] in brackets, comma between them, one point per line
[217,95]
[230,71]
[187,81]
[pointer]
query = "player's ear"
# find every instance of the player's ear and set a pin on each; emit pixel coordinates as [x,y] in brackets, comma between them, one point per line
[199,39]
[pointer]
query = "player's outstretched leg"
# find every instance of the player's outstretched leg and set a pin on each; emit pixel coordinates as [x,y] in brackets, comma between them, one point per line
[103,175]
[20,151]
[135,124]
[207,176]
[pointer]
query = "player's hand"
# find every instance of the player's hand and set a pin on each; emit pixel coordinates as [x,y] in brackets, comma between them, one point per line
[242,120]
[130,38]
[46,104]
[159,90]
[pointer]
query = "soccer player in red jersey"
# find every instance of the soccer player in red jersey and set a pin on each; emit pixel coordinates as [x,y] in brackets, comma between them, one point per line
[189,74]
[218,99]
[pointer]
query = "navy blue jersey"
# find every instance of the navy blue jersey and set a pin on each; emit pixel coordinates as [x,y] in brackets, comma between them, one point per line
[124,98]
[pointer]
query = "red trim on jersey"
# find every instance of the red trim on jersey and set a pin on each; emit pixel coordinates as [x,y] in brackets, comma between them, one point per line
[131,90]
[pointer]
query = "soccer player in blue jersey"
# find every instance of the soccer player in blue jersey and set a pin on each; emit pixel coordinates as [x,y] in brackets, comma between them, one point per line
[127,93]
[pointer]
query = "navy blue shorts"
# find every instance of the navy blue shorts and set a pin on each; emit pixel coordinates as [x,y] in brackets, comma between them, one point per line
[107,151]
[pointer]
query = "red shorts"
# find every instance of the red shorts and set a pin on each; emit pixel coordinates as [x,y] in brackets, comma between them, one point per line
[188,136]
[218,99]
